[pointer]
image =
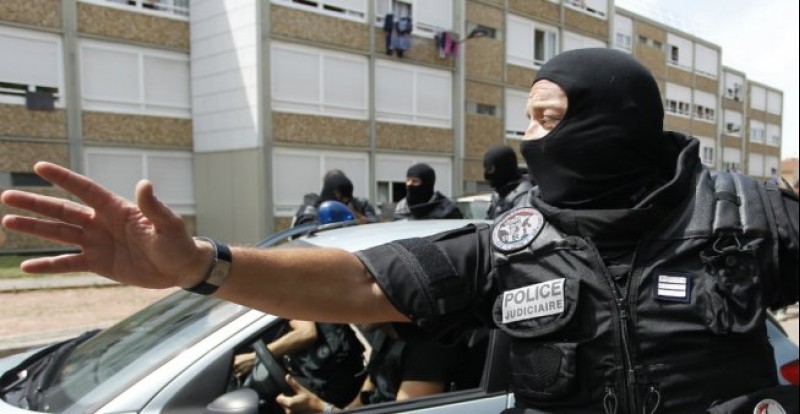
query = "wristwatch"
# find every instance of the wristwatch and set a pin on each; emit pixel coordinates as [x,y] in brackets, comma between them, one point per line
[217,271]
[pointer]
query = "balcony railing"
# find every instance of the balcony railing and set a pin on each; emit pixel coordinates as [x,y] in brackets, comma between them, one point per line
[179,8]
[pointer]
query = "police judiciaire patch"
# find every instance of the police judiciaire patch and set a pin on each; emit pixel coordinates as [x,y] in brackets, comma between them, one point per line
[769,406]
[517,229]
[534,301]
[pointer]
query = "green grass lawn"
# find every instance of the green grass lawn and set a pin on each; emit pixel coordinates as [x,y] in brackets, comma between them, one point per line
[9,267]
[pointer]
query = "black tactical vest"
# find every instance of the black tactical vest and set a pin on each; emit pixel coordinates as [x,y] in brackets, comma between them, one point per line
[687,331]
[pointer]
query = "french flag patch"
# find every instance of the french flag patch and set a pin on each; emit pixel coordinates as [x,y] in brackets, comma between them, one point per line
[673,287]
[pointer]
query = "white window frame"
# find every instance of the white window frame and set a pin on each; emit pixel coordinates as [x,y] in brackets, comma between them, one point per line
[773,135]
[328,8]
[734,87]
[774,103]
[594,8]
[181,206]
[707,150]
[415,117]
[163,8]
[732,159]
[421,28]
[515,115]
[685,47]
[285,207]
[623,33]
[9,96]
[527,58]
[699,51]
[758,131]
[322,105]
[732,123]
[140,106]
[675,106]
[758,98]
[707,112]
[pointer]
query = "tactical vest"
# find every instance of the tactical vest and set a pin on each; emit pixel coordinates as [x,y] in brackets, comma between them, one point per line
[686,332]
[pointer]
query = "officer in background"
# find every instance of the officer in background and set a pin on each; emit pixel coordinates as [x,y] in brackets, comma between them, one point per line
[630,281]
[335,187]
[422,201]
[501,171]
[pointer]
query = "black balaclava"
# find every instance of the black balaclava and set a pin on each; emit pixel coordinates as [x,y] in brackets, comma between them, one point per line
[504,160]
[336,183]
[608,151]
[420,194]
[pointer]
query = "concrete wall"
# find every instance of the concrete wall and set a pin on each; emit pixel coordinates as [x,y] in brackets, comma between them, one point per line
[319,29]
[133,26]
[42,13]
[314,130]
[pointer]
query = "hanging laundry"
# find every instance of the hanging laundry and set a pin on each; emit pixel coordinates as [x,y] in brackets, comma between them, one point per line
[402,40]
[388,28]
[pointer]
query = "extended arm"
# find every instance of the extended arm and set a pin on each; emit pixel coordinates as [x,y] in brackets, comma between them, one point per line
[146,244]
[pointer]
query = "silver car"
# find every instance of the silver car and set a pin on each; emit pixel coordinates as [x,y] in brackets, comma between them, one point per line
[176,355]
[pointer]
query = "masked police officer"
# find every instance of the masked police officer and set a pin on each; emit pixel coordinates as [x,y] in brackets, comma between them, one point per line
[501,171]
[422,201]
[630,281]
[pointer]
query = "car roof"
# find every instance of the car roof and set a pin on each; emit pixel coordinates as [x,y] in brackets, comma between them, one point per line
[369,235]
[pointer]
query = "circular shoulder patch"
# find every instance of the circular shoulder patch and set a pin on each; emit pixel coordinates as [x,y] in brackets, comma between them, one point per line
[769,406]
[517,229]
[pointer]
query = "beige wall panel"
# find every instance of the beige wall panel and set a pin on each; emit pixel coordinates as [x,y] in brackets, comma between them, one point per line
[705,129]
[679,76]
[484,58]
[133,26]
[649,31]
[653,58]
[756,114]
[473,170]
[18,156]
[774,119]
[485,15]
[484,93]
[43,13]
[19,121]
[519,76]
[514,143]
[481,133]
[282,223]
[319,28]
[732,142]
[582,22]
[733,105]
[423,50]
[756,148]
[675,123]
[414,138]
[310,129]
[102,127]
[706,84]
[499,3]
[540,9]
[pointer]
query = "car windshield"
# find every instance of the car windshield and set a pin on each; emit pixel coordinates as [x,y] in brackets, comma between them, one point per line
[106,364]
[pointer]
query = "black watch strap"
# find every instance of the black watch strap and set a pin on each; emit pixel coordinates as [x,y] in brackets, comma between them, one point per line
[218,269]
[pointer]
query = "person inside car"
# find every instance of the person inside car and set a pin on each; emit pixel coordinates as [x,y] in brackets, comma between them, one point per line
[631,280]
[336,187]
[422,202]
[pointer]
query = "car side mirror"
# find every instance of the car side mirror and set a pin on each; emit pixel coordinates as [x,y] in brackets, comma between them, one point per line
[242,401]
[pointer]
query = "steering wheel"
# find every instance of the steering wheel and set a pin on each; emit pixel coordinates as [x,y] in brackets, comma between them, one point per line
[273,381]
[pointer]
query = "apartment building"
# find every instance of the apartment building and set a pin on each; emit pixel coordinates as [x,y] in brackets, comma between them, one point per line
[274,93]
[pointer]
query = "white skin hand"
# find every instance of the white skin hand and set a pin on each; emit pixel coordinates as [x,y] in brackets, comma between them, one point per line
[302,402]
[144,244]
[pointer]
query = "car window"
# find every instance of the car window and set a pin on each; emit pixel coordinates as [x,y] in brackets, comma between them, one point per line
[101,367]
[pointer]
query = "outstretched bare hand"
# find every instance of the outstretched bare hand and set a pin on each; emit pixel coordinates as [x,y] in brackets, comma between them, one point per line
[143,244]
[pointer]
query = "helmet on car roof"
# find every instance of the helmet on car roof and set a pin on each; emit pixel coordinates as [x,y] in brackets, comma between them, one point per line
[333,212]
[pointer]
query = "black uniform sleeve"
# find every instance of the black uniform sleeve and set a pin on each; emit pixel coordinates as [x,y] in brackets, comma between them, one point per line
[440,282]
[785,208]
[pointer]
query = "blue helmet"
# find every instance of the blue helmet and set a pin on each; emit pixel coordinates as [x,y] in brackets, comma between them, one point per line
[333,212]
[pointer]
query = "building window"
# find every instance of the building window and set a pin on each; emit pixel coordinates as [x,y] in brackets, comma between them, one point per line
[120,170]
[758,98]
[428,17]
[597,8]
[516,118]
[127,79]
[348,9]
[706,150]
[705,105]
[574,41]
[412,94]
[623,37]
[318,82]
[32,63]
[178,8]
[734,87]
[487,32]
[678,100]
[757,131]
[482,109]
[731,159]
[680,52]
[755,165]
[706,61]
[773,135]
[774,103]
[27,179]
[530,44]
